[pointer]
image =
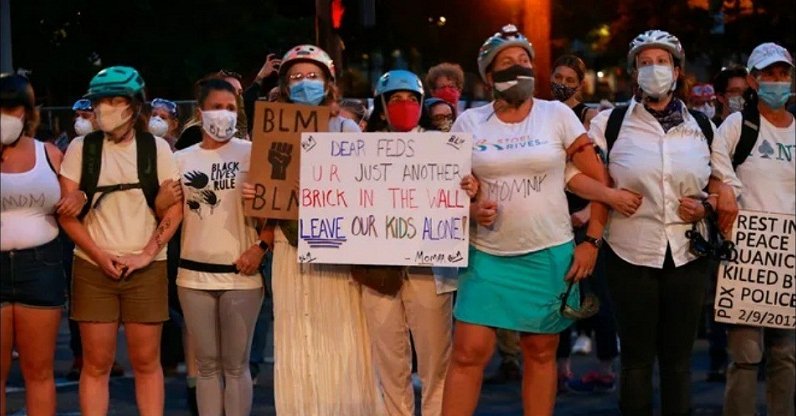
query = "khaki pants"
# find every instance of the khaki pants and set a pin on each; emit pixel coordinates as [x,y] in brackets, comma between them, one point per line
[747,347]
[416,308]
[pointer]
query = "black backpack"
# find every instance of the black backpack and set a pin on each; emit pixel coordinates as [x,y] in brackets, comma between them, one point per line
[146,155]
[617,116]
[749,130]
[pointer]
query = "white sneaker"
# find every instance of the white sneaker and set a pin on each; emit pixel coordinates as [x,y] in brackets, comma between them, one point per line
[582,345]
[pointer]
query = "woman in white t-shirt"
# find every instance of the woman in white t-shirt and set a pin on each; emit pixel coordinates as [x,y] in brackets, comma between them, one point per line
[119,271]
[657,283]
[521,250]
[218,282]
[322,357]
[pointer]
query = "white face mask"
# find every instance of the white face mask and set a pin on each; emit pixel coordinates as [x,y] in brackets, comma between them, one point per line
[83,126]
[735,103]
[158,126]
[110,117]
[10,129]
[656,80]
[219,124]
[708,109]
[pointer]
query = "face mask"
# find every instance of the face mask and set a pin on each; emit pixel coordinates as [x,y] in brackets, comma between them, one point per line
[514,84]
[735,103]
[83,126]
[656,80]
[449,94]
[403,115]
[110,118]
[561,92]
[708,109]
[219,124]
[774,94]
[158,126]
[307,92]
[10,129]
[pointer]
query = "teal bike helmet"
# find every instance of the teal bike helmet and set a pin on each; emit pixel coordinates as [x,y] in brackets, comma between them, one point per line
[116,81]
[508,36]
[399,80]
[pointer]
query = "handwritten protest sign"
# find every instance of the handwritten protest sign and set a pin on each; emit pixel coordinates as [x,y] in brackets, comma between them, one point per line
[274,167]
[757,286]
[384,198]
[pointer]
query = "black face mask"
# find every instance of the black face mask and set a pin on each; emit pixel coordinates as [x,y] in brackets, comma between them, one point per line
[513,85]
[561,92]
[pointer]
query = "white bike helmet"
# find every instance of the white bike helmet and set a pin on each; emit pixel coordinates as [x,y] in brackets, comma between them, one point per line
[508,36]
[656,39]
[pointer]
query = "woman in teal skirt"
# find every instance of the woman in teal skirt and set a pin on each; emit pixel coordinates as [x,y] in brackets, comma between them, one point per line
[522,253]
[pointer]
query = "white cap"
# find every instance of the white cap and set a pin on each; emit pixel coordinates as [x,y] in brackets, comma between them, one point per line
[768,53]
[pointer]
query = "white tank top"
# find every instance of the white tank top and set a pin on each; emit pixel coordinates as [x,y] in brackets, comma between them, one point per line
[27,205]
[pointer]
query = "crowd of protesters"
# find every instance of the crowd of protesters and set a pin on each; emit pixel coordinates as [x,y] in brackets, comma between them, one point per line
[123,225]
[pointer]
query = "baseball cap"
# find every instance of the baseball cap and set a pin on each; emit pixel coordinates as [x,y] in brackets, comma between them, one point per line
[768,53]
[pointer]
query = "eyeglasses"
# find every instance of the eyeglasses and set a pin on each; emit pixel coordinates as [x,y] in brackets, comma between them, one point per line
[230,74]
[442,117]
[589,304]
[169,105]
[299,76]
[703,91]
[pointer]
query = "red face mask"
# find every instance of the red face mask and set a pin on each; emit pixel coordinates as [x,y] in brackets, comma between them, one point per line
[449,94]
[403,115]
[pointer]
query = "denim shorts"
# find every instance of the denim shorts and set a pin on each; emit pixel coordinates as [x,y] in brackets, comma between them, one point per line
[34,276]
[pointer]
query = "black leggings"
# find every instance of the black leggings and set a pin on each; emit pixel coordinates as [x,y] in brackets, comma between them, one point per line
[658,312]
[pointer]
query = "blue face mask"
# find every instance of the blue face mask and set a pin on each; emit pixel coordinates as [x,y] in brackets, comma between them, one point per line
[774,94]
[307,92]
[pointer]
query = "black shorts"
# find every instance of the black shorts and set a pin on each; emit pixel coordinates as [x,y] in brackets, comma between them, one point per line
[34,276]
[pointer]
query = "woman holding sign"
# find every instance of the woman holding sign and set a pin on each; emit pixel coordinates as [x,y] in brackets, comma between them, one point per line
[521,247]
[419,302]
[763,182]
[321,344]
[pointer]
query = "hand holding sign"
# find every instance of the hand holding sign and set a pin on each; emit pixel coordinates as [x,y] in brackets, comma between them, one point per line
[279,157]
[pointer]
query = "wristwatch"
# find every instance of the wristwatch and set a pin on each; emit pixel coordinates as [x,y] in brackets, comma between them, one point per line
[596,242]
[263,245]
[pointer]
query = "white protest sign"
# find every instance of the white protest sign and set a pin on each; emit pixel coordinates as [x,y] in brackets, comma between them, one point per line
[757,286]
[384,198]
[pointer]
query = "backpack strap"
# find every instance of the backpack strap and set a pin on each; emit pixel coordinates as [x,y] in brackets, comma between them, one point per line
[750,129]
[90,169]
[704,124]
[613,126]
[147,155]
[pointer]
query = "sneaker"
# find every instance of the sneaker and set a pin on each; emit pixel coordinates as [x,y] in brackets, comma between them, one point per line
[74,372]
[117,370]
[593,382]
[14,355]
[582,345]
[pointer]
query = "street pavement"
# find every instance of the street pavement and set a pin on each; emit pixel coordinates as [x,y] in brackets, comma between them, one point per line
[496,400]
